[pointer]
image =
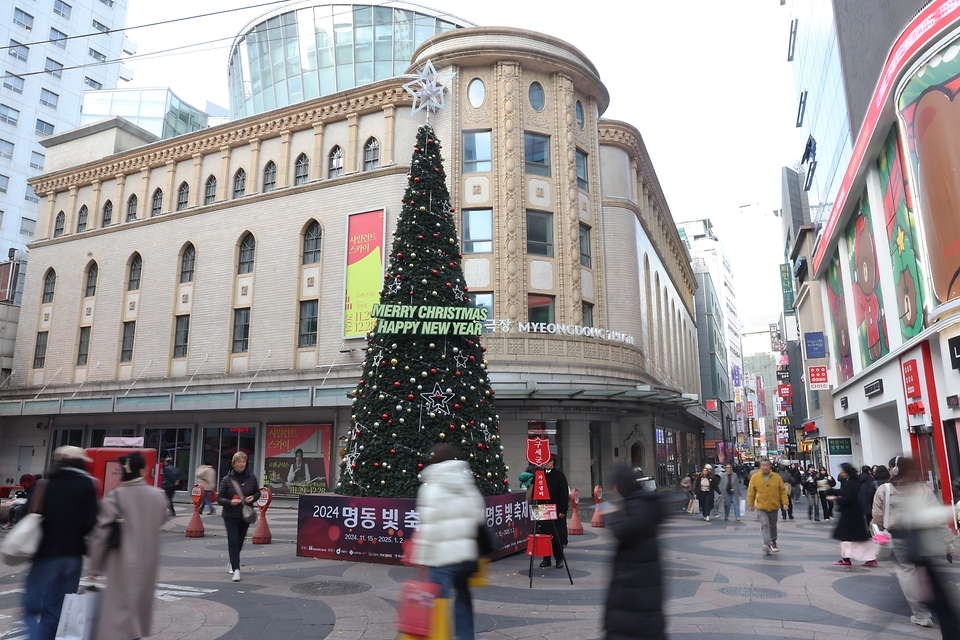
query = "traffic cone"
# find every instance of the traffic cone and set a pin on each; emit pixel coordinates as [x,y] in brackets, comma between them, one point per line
[575,528]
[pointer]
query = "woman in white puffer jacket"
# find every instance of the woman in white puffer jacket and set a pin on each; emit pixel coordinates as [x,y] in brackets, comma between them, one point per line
[451,511]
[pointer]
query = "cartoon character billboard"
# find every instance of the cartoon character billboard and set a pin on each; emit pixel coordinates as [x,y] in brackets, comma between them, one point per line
[867,294]
[930,113]
[901,225]
[837,300]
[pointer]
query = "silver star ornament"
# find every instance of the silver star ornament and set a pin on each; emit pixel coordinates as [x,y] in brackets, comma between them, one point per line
[427,89]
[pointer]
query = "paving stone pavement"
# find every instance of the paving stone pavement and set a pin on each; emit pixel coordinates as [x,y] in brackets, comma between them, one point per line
[718,585]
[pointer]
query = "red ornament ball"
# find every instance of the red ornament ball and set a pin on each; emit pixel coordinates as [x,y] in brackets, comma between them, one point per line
[410,397]
[449,285]
[396,385]
[436,170]
[479,445]
[393,451]
[453,210]
[419,237]
[457,373]
[419,465]
[416,149]
[435,272]
[429,140]
[399,255]
[457,407]
[436,235]
[416,179]
[353,466]
[453,428]
[376,465]
[384,416]
[469,343]
[471,358]
[433,370]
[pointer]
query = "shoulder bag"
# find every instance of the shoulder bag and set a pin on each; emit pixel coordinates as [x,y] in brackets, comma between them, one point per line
[22,542]
[249,514]
[116,531]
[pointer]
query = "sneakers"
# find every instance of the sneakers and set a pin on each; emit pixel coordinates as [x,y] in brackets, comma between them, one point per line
[738,519]
[236,575]
[767,550]
[870,563]
[774,547]
[843,563]
[925,621]
[726,517]
[707,518]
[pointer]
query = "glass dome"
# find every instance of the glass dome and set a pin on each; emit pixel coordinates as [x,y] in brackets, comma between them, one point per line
[312,49]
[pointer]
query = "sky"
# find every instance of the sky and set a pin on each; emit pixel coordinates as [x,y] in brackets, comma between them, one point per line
[706,83]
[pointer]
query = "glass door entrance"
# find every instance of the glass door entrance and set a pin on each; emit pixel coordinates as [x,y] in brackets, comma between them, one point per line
[220,443]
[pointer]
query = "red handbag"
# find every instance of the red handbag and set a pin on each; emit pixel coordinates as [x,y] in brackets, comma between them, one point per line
[415,613]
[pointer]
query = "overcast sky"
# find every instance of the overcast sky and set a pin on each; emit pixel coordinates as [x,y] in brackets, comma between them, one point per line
[705,82]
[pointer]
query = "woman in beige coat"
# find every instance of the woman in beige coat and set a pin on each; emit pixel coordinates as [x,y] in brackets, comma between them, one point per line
[126,607]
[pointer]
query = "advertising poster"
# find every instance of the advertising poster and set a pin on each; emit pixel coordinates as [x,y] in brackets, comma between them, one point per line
[867,294]
[297,460]
[364,272]
[836,297]
[375,529]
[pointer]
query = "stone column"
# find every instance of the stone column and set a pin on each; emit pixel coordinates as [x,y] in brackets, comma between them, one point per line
[569,304]
[253,176]
[143,207]
[93,217]
[197,190]
[508,196]
[319,156]
[70,224]
[284,167]
[119,206]
[225,178]
[386,149]
[350,160]
[51,214]
[171,188]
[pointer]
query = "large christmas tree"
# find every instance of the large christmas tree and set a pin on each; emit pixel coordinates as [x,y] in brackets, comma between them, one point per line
[424,378]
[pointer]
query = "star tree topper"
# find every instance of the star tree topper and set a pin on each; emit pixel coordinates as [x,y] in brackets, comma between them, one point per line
[427,89]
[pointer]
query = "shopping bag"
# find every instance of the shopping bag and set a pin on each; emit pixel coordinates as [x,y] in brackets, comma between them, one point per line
[691,505]
[22,542]
[480,577]
[415,612]
[864,551]
[743,507]
[440,628]
[78,618]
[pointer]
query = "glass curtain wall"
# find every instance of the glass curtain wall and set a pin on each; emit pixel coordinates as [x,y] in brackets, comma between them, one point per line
[220,443]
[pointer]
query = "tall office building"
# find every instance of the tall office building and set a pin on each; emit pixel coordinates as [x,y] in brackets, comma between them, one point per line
[55,51]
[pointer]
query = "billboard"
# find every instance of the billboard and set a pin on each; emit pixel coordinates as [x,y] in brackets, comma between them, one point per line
[867,293]
[297,458]
[836,297]
[786,285]
[364,271]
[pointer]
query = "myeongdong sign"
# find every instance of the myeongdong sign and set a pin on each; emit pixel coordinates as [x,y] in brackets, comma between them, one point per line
[471,321]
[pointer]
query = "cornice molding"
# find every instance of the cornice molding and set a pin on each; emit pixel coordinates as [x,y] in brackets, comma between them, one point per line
[298,117]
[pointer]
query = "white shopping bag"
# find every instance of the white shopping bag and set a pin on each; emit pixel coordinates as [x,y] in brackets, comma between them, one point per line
[78,618]
[743,507]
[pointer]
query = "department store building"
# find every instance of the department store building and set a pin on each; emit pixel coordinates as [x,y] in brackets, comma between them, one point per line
[196,291]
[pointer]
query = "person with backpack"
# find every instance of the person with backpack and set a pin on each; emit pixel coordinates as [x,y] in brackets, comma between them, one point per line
[170,483]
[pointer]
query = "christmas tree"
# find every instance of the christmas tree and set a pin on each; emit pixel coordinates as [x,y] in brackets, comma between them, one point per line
[424,378]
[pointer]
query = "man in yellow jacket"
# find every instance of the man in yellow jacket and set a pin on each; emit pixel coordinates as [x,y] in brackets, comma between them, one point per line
[766,493]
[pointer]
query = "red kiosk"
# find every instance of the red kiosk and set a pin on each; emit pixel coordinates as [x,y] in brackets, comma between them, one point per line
[107,470]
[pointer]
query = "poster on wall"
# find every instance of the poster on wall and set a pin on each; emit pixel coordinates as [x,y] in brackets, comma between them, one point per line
[927,104]
[838,320]
[364,271]
[901,225]
[867,293]
[375,529]
[297,458]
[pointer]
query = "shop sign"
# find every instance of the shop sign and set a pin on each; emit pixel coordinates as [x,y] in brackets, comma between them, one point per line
[815,344]
[538,451]
[710,405]
[839,447]
[953,401]
[785,391]
[911,379]
[873,388]
[783,374]
[809,426]
[737,395]
[536,428]
[736,376]
[376,529]
[786,285]
[749,409]
[784,421]
[916,409]
[953,344]
[710,444]
[819,378]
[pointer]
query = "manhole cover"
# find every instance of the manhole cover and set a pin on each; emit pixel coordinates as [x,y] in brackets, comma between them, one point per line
[330,588]
[680,573]
[754,593]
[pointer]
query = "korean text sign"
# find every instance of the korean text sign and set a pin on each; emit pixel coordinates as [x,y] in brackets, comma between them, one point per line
[364,271]
[375,529]
[297,458]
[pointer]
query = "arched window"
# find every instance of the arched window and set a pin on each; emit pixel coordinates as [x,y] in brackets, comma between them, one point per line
[92,272]
[301,170]
[210,193]
[82,218]
[335,166]
[58,225]
[311,243]
[157,205]
[371,154]
[239,183]
[269,176]
[132,208]
[187,260]
[183,196]
[136,269]
[49,286]
[248,250]
[107,214]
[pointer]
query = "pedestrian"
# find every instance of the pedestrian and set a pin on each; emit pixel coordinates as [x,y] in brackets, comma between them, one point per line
[451,511]
[170,482]
[825,482]
[525,479]
[909,511]
[207,479]
[796,481]
[868,489]
[881,475]
[126,607]
[766,494]
[68,503]
[706,487]
[238,487]
[19,507]
[634,604]
[731,492]
[786,509]
[851,530]
[560,496]
[810,489]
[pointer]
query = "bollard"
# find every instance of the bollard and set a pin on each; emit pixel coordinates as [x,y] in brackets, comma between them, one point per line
[575,528]
[195,528]
[261,535]
[597,520]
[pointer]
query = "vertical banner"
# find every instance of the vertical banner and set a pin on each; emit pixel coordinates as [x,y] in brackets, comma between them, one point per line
[786,285]
[297,458]
[364,272]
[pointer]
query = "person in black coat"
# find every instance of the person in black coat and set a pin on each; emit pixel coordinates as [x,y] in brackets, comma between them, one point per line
[68,503]
[868,489]
[634,604]
[559,495]
[232,502]
[851,527]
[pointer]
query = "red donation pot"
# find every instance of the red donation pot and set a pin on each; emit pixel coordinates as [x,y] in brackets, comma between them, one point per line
[540,545]
[597,520]
[575,527]
[195,528]
[261,535]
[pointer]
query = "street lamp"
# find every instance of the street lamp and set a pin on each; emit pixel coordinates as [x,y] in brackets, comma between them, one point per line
[723,422]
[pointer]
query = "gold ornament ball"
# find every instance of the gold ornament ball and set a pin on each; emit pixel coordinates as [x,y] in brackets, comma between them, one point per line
[507,468]
[433,415]
[383,397]
[424,374]
[433,346]
[463,427]
[423,208]
[393,361]
[407,368]
[383,482]
[463,398]
[403,471]
[443,436]
[489,475]
[393,435]
[486,393]
[413,255]
[471,456]
[433,293]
